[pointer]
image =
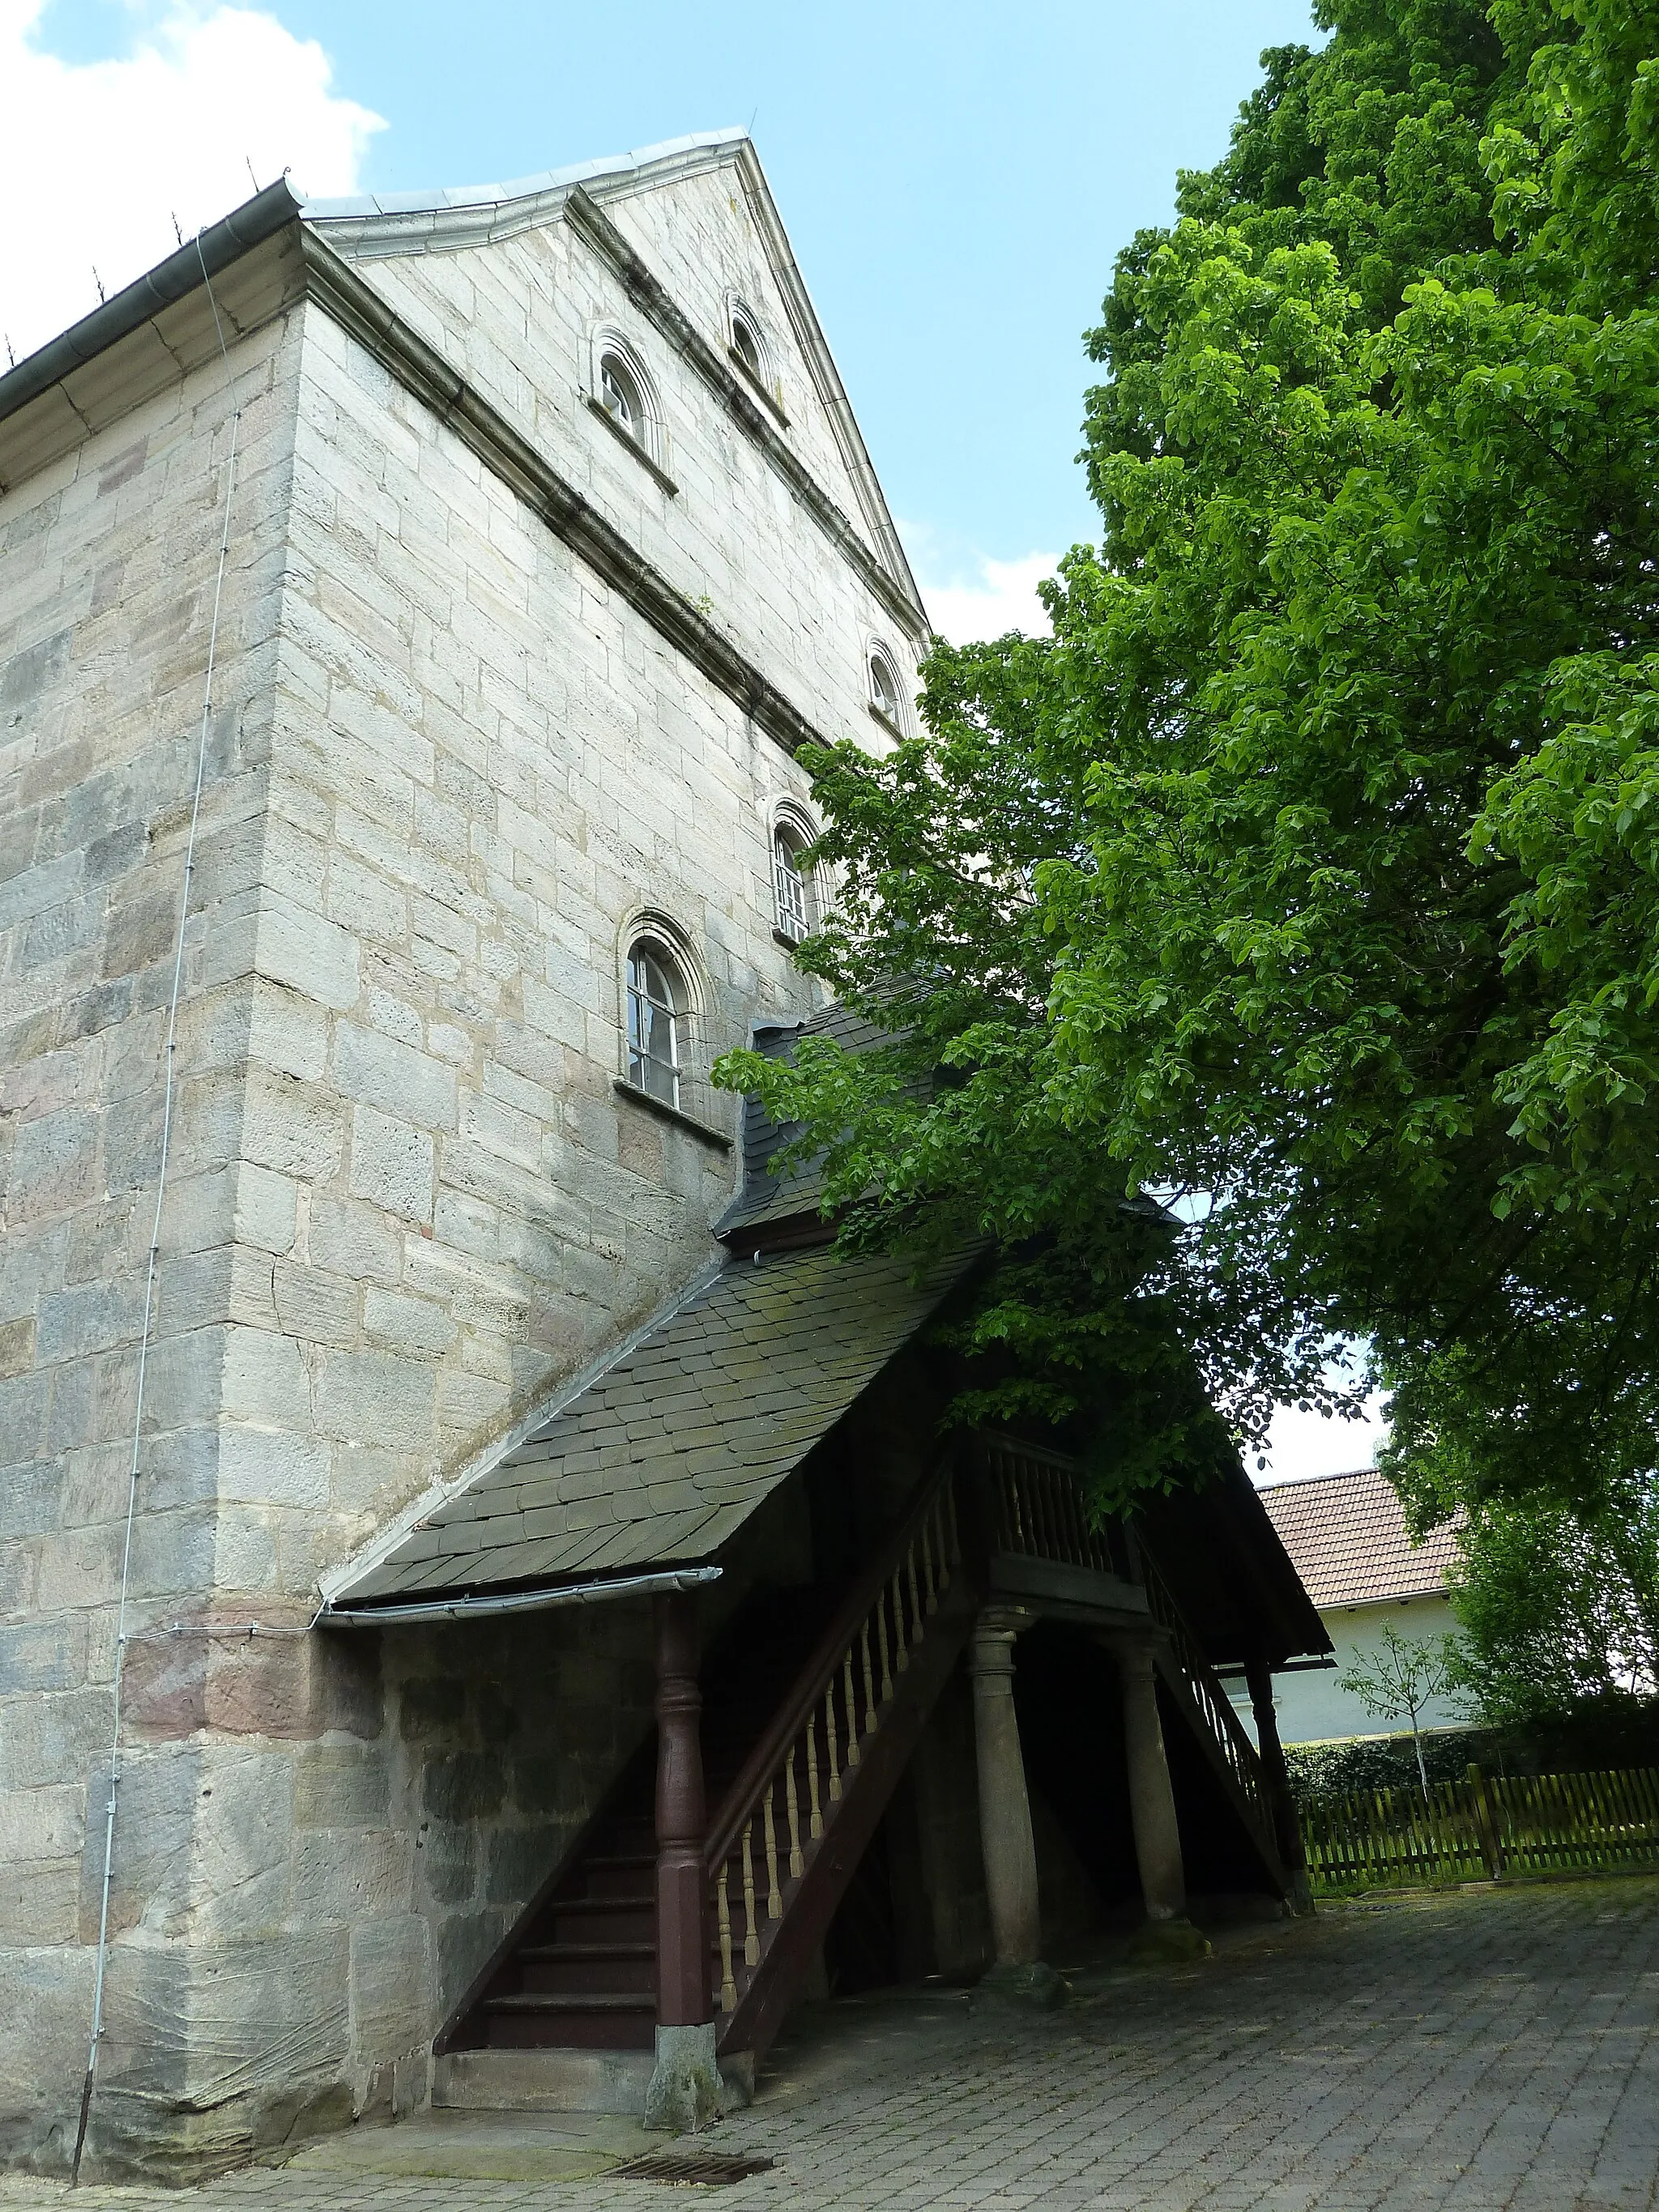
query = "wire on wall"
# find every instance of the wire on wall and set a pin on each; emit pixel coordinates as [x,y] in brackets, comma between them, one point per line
[168,1089]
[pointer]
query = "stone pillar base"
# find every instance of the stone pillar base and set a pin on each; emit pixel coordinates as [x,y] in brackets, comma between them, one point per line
[1032,1984]
[686,2092]
[1169,1938]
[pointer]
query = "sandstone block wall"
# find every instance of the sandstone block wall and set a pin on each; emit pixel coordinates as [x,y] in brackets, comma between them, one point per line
[447,773]
[107,561]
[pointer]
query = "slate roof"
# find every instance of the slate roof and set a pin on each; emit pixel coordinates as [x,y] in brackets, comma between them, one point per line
[1346,1537]
[662,1456]
[767,1196]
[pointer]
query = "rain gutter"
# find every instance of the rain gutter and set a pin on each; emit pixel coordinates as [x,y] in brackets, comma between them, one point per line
[210,252]
[400,1612]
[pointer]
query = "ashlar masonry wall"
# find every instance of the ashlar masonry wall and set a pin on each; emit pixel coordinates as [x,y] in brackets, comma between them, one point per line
[449,773]
[107,561]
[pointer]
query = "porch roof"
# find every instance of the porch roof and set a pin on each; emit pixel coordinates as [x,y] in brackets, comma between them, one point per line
[661,1455]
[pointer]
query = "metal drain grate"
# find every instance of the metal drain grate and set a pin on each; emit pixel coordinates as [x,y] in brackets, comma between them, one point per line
[713,2169]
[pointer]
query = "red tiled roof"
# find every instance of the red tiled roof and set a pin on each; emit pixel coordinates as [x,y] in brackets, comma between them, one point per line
[1346,1535]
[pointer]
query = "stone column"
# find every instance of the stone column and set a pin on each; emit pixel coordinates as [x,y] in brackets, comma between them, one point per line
[1005,1817]
[1152,1800]
[1287,1829]
[685,2086]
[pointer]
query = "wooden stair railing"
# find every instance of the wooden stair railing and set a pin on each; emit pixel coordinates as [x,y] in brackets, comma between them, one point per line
[1210,1713]
[1037,1510]
[787,1838]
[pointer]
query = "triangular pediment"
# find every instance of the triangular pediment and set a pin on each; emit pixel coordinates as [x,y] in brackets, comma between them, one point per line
[709,189]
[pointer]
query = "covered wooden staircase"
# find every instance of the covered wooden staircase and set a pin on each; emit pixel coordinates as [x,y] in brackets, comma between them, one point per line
[713,1890]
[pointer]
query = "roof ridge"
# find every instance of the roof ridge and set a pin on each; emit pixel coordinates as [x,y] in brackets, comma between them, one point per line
[1307,1481]
[434,198]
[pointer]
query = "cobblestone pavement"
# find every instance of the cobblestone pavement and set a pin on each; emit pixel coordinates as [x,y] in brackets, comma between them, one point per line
[1471,2051]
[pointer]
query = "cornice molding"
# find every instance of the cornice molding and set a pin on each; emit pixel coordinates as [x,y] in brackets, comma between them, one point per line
[595,228]
[361,311]
[809,336]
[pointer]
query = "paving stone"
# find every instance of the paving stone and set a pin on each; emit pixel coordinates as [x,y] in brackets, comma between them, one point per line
[1352,2063]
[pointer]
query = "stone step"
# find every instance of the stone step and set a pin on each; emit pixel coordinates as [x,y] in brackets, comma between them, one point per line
[554,2001]
[547,2080]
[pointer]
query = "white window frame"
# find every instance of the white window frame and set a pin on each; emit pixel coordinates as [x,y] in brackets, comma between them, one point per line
[647,942]
[649,438]
[893,717]
[792,920]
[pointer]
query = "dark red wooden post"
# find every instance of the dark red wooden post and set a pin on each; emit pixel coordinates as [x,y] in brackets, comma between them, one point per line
[684,1995]
[1287,1826]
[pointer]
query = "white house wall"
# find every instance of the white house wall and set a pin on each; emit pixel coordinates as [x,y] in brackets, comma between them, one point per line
[1312,1705]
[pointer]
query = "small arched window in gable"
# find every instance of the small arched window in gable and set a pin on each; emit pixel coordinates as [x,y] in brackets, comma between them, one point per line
[884,695]
[748,349]
[659,1004]
[792,882]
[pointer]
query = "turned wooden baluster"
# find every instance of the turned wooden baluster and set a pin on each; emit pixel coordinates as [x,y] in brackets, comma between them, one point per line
[750,1929]
[852,1709]
[723,1910]
[831,1748]
[815,1820]
[774,1896]
[792,1801]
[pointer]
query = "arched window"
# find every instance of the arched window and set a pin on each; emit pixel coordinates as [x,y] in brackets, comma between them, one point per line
[622,395]
[885,688]
[791,882]
[657,1004]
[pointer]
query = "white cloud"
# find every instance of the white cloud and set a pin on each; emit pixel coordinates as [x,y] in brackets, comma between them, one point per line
[994,597]
[96,158]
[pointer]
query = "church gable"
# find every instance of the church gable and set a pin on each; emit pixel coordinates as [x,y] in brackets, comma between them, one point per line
[713,237]
[679,252]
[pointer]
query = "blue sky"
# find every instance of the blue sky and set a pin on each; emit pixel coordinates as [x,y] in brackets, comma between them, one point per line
[956,179]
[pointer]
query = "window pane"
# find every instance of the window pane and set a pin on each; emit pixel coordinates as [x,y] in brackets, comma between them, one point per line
[621,395]
[791,890]
[653,1026]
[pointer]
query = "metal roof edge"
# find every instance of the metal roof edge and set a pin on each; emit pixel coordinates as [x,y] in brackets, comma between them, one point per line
[207,253]
[1391,1597]
[1308,1481]
[438,200]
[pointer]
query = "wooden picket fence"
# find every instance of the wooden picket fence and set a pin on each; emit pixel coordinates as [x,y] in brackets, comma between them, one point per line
[1486,1825]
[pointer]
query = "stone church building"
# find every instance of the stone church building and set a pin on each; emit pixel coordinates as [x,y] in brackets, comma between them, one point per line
[488,1610]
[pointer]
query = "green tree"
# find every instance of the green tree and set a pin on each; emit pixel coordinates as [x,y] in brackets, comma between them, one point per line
[1555,1609]
[1401,1680]
[1306,876]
